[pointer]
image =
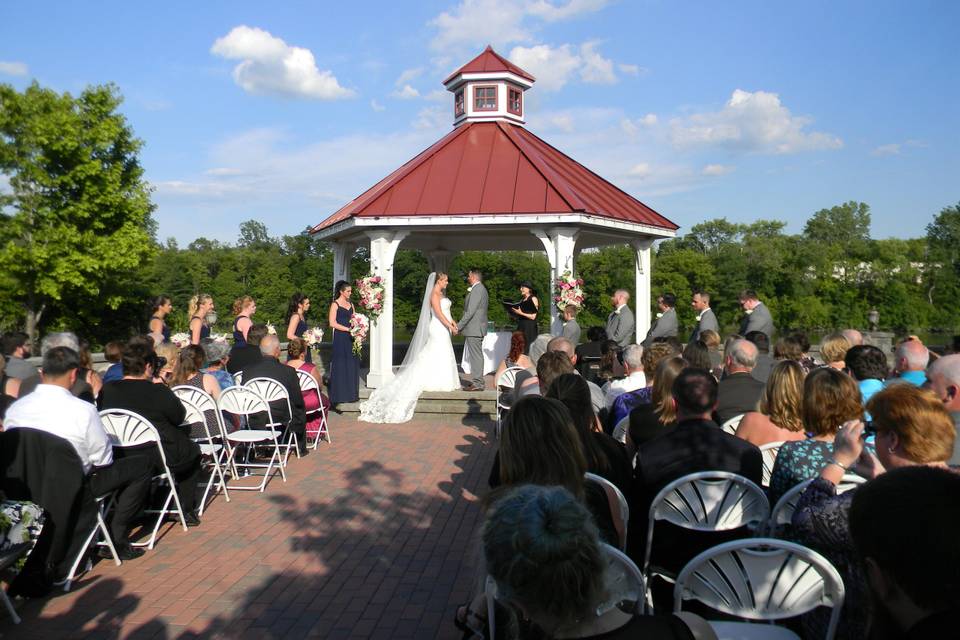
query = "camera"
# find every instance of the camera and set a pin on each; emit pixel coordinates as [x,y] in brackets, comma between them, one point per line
[157,362]
[869,429]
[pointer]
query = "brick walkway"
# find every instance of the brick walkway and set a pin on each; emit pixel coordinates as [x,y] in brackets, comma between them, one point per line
[371,537]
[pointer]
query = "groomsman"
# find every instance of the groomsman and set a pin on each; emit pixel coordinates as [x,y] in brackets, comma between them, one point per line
[706,320]
[666,325]
[756,315]
[620,323]
[473,326]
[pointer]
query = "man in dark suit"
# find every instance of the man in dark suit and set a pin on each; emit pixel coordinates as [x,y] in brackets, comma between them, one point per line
[706,319]
[695,444]
[241,357]
[739,390]
[269,367]
[756,315]
[666,325]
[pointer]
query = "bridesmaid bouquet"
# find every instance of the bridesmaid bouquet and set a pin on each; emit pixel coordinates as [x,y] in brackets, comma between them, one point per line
[180,340]
[371,295]
[221,338]
[359,327]
[313,337]
[568,290]
[271,330]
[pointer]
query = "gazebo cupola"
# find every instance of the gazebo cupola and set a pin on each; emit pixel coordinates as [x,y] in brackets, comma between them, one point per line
[487,88]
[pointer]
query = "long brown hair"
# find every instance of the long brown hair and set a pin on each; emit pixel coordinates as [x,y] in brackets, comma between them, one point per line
[518,344]
[782,398]
[572,390]
[667,371]
[191,361]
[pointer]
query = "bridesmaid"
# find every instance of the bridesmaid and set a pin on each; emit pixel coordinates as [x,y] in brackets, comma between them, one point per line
[198,308]
[344,383]
[527,312]
[243,308]
[160,306]
[297,320]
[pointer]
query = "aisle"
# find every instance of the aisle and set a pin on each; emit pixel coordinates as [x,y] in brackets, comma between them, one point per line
[371,536]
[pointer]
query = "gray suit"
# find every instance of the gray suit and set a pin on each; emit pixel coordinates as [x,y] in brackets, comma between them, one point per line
[621,326]
[571,331]
[759,320]
[473,326]
[666,326]
[708,321]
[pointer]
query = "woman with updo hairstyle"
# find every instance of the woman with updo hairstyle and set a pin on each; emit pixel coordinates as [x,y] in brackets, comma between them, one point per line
[312,399]
[159,307]
[541,548]
[833,351]
[297,320]
[189,372]
[526,312]
[516,356]
[197,309]
[777,418]
[243,308]
[344,374]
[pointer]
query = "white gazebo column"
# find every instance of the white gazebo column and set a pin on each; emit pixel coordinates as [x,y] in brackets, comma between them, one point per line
[551,248]
[564,245]
[342,253]
[439,260]
[383,249]
[641,250]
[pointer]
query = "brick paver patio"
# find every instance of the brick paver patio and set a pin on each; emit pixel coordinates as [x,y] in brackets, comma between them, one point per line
[373,536]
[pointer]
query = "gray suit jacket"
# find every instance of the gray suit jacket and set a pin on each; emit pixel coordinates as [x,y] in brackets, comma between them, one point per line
[571,331]
[474,321]
[663,327]
[759,320]
[708,321]
[621,326]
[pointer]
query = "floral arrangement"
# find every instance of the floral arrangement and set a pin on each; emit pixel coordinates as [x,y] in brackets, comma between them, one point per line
[180,340]
[271,330]
[313,337]
[220,338]
[371,295]
[359,328]
[567,291]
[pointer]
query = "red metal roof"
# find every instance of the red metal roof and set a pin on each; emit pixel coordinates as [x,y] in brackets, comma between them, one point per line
[495,168]
[489,62]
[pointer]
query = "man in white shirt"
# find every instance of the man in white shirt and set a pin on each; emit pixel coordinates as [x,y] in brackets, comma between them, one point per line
[53,409]
[635,379]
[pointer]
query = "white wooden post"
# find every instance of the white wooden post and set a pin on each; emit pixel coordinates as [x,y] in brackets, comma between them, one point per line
[546,297]
[342,253]
[383,249]
[439,260]
[564,244]
[641,250]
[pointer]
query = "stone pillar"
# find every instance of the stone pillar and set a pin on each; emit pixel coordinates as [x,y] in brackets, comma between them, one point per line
[383,249]
[564,244]
[546,297]
[342,253]
[641,250]
[439,260]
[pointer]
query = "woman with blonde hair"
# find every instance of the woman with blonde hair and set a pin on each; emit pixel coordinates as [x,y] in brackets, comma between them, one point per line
[189,372]
[833,351]
[197,309]
[243,308]
[171,358]
[777,418]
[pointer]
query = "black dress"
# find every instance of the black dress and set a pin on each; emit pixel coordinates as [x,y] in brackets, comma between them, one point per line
[238,339]
[164,329]
[204,329]
[344,365]
[529,327]
[299,331]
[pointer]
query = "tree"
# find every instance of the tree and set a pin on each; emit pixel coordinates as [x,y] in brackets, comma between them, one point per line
[78,220]
[847,224]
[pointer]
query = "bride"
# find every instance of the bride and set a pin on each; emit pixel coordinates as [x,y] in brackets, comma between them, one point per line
[428,366]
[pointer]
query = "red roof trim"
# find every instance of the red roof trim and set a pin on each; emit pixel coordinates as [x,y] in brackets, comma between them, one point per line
[490,62]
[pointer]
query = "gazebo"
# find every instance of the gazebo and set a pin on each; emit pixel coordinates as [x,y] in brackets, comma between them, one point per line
[489,185]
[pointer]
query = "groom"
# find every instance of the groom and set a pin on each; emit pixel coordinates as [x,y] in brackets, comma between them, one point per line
[473,326]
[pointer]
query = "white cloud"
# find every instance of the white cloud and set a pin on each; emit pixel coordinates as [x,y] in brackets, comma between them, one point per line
[406,93]
[596,69]
[552,12]
[887,150]
[631,127]
[13,68]
[433,119]
[553,67]
[641,170]
[754,122]
[571,120]
[224,171]
[376,106]
[200,190]
[407,75]
[717,169]
[438,95]
[271,66]
[629,69]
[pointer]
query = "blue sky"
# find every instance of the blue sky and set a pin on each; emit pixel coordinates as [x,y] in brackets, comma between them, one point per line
[742,110]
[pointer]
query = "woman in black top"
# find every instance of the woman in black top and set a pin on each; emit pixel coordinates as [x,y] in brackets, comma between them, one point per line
[159,307]
[138,393]
[527,312]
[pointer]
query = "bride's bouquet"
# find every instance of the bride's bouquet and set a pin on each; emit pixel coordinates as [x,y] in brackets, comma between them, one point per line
[568,290]
[359,328]
[371,295]
[180,340]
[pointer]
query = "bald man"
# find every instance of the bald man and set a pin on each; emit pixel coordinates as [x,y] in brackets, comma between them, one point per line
[944,376]
[910,363]
[597,397]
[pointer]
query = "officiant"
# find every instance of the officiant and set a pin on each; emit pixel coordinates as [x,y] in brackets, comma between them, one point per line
[526,312]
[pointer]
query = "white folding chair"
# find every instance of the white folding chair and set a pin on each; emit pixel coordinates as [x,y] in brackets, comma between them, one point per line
[238,378]
[99,527]
[244,401]
[769,452]
[622,508]
[760,579]
[129,429]
[309,383]
[7,559]
[782,512]
[730,426]
[272,391]
[505,381]
[197,402]
[621,429]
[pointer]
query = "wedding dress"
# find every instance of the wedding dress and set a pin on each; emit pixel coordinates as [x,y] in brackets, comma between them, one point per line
[428,366]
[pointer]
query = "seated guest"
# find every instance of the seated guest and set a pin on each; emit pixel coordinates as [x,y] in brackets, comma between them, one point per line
[516,356]
[52,408]
[635,378]
[833,350]
[15,346]
[88,384]
[112,352]
[944,376]
[605,456]
[761,371]
[913,586]
[712,340]
[564,346]
[625,402]
[854,337]
[81,387]
[777,418]
[795,346]
[589,353]
[551,365]
[912,428]
[739,390]
[695,444]
[830,398]
[610,366]
[868,366]
[697,355]
[169,355]
[247,353]
[539,445]
[542,549]
[269,367]
[137,392]
[312,400]
[189,373]
[910,362]
[216,355]
[9,389]
[650,420]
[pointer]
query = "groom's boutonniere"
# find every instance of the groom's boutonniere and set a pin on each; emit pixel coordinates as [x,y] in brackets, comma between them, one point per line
[470,288]
[659,315]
